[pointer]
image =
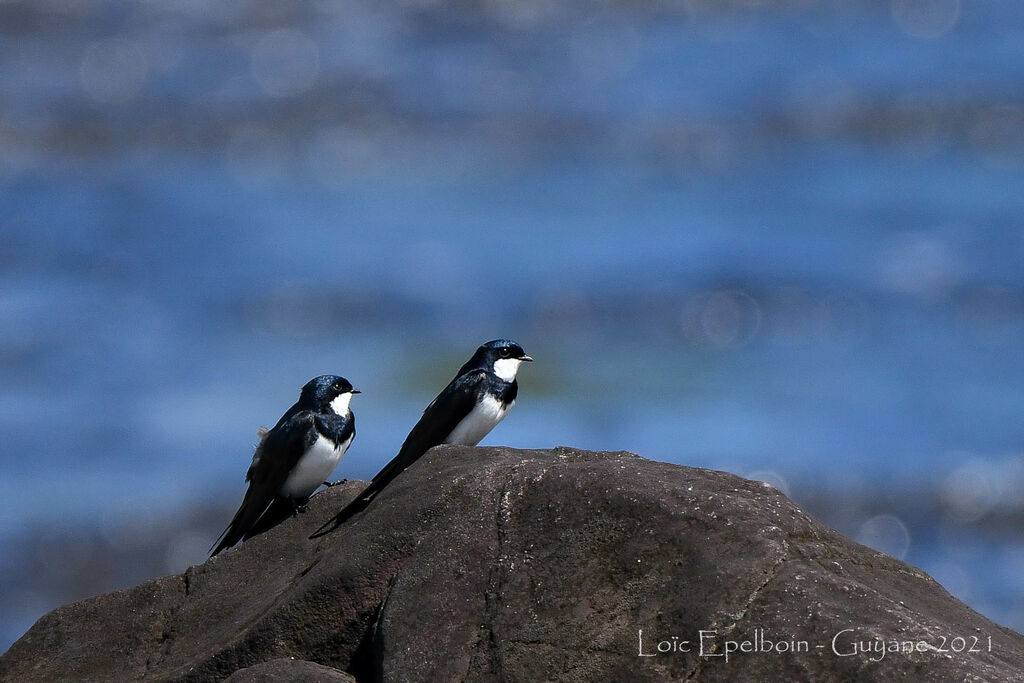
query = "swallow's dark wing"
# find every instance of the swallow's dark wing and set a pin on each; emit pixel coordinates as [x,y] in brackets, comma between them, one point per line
[439,419]
[275,457]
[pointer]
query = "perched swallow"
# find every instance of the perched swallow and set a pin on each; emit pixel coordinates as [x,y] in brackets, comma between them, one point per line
[472,404]
[294,458]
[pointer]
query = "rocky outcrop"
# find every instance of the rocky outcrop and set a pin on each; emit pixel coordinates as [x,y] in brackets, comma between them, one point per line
[289,671]
[494,563]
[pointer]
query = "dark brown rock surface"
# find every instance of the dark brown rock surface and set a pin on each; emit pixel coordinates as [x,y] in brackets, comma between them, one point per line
[494,563]
[289,671]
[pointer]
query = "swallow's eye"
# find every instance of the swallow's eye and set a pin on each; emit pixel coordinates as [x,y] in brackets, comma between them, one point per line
[505,352]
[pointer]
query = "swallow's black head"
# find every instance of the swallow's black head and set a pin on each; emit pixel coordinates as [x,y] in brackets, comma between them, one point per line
[499,349]
[326,388]
[500,356]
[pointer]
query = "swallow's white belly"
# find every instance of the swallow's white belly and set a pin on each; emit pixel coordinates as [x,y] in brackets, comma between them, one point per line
[313,468]
[484,417]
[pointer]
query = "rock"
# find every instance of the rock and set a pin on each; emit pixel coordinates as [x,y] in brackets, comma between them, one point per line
[494,563]
[289,671]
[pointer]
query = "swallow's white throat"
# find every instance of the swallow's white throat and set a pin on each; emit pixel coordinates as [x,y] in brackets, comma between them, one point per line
[506,368]
[340,403]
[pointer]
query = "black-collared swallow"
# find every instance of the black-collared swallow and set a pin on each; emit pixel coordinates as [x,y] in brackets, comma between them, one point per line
[294,458]
[472,404]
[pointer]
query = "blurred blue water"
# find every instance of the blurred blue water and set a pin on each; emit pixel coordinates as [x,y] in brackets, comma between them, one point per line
[783,242]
